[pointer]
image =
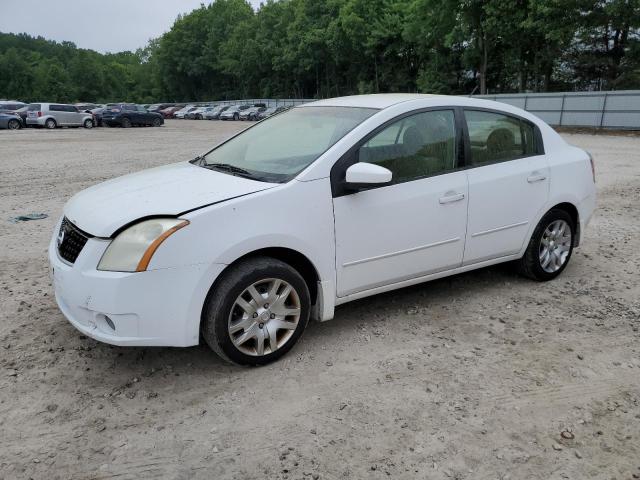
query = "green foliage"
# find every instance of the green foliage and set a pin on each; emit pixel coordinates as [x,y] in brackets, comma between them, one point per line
[321,48]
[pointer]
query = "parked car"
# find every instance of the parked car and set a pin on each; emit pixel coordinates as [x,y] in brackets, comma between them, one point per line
[183,111]
[169,112]
[97,116]
[268,112]
[329,202]
[11,104]
[10,120]
[52,115]
[157,107]
[86,107]
[233,112]
[198,113]
[127,115]
[22,112]
[215,113]
[251,113]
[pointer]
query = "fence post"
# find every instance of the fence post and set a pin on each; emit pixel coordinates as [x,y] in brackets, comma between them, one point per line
[564,96]
[604,107]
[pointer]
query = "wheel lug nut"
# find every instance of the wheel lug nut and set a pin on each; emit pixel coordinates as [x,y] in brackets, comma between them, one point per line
[272,316]
[266,305]
[260,325]
[255,315]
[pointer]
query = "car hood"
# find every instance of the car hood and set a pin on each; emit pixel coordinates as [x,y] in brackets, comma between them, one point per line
[169,190]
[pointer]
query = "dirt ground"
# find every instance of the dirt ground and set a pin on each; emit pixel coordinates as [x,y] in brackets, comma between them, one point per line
[471,377]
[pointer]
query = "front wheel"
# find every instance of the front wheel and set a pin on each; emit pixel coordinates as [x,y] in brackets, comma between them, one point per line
[236,117]
[256,312]
[13,125]
[157,122]
[550,247]
[88,123]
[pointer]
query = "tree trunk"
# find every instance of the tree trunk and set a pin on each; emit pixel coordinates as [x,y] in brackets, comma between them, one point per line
[483,65]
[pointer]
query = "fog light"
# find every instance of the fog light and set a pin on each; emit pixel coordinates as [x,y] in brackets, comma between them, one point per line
[110,323]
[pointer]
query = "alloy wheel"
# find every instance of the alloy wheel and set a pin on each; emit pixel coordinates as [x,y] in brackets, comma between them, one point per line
[555,246]
[264,317]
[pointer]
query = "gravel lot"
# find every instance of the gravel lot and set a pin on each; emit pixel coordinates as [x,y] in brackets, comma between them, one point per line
[471,377]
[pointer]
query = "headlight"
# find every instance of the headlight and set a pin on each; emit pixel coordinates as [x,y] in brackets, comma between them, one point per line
[132,249]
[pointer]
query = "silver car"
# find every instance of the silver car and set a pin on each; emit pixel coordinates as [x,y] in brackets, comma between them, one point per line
[52,115]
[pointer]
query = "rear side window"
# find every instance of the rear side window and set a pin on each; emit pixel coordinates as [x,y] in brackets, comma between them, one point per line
[34,107]
[70,108]
[414,147]
[497,138]
[56,108]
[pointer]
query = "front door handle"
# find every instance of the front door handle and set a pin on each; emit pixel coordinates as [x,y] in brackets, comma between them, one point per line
[451,197]
[536,177]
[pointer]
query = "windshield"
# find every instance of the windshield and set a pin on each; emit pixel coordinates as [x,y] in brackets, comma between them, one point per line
[279,148]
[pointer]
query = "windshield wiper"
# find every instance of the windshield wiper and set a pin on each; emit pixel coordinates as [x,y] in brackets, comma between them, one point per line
[229,168]
[199,160]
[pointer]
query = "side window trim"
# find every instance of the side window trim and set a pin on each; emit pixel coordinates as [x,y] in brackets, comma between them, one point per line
[338,171]
[537,134]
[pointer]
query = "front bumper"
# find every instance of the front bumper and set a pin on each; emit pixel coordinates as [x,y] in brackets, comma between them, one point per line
[153,308]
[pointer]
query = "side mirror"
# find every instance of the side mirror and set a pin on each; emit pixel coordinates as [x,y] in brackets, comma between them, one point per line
[362,175]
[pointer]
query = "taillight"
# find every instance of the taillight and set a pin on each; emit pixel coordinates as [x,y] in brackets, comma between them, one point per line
[593,167]
[39,114]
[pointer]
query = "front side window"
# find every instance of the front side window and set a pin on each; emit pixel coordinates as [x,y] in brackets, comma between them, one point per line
[497,138]
[278,149]
[413,147]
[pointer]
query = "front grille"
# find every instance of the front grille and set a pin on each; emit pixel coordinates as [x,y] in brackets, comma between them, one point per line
[71,241]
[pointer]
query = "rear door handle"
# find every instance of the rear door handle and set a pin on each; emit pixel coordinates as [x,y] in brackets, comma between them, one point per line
[536,177]
[452,197]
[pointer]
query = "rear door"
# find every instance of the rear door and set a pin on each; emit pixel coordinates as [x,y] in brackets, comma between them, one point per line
[143,116]
[75,116]
[414,226]
[508,183]
[58,113]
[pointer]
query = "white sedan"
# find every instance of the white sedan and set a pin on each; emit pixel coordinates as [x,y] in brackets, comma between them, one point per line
[326,203]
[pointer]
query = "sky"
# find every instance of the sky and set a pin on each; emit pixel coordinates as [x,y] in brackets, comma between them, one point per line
[102,25]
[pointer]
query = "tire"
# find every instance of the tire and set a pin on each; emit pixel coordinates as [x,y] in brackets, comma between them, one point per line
[198,117]
[222,311]
[236,117]
[125,122]
[50,123]
[550,247]
[88,123]
[13,125]
[157,122]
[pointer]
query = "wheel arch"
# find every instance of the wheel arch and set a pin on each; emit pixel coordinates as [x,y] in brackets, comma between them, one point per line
[291,257]
[572,210]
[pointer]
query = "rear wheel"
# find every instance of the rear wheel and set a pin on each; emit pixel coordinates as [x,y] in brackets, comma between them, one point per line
[125,122]
[256,312]
[50,123]
[236,117]
[550,247]
[13,125]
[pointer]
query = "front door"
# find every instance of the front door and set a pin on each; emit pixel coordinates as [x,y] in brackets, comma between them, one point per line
[416,225]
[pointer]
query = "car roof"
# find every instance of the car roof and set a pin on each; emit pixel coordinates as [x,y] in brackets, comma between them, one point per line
[382,101]
[378,100]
